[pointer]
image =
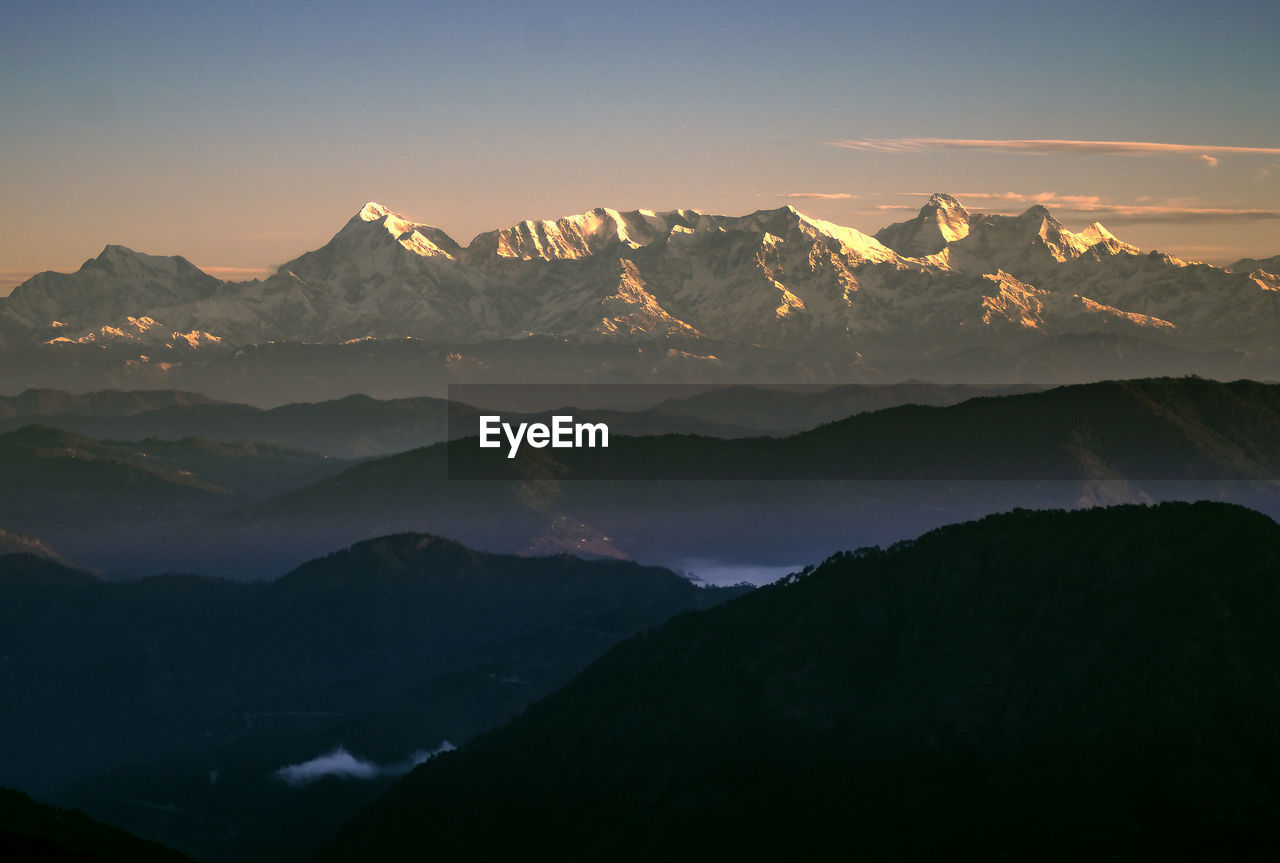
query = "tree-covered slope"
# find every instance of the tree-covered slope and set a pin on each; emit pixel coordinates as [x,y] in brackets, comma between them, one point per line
[1083,685]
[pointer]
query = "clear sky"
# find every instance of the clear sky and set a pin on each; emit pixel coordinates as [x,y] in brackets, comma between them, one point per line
[242,134]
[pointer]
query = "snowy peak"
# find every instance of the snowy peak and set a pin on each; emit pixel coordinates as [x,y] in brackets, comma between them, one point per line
[1100,240]
[604,230]
[1066,245]
[852,241]
[116,283]
[372,212]
[952,237]
[775,277]
[1096,233]
[1026,244]
[571,237]
[941,201]
[125,262]
[789,225]
[941,221]
[113,253]
[425,241]
[143,330]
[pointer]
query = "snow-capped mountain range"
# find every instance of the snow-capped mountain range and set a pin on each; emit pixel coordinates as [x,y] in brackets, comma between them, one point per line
[947,279]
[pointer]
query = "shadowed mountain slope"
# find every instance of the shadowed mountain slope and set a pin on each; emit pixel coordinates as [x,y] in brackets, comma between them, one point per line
[30,832]
[1098,684]
[122,697]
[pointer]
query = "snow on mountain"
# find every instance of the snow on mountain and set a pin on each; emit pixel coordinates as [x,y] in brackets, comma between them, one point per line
[1269,266]
[1100,240]
[1211,306]
[947,278]
[602,229]
[1027,245]
[571,237]
[423,240]
[117,283]
[134,329]
[941,221]
[141,330]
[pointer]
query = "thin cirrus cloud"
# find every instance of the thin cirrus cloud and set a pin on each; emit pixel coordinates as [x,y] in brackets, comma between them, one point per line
[821,196]
[1120,214]
[1052,146]
[1044,198]
[1117,213]
[238,272]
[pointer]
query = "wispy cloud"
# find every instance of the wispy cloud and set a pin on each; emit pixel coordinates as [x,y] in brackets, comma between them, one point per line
[1211,161]
[1119,214]
[1171,212]
[238,272]
[1047,199]
[822,196]
[342,764]
[1048,146]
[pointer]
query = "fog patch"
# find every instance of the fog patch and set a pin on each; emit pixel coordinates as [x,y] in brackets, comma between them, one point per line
[342,764]
[717,573]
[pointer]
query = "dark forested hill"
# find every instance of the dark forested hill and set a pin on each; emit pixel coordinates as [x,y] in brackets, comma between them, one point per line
[1097,684]
[125,698]
[34,833]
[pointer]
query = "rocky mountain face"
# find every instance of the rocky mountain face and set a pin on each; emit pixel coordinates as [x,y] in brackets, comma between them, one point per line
[947,280]
[109,291]
[941,221]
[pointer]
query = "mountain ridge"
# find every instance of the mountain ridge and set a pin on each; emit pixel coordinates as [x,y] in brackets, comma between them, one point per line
[725,298]
[1055,685]
[432,282]
[200,689]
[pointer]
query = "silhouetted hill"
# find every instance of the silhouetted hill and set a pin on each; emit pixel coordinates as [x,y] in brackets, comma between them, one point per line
[358,426]
[1148,429]
[915,468]
[1097,684]
[779,410]
[34,403]
[92,498]
[31,832]
[871,478]
[123,698]
[46,462]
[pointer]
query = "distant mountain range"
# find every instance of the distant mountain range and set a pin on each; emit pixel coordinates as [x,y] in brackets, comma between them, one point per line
[774,295]
[719,475]
[870,478]
[360,426]
[36,833]
[1035,685]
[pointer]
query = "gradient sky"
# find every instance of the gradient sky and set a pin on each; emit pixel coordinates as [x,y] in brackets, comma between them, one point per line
[240,135]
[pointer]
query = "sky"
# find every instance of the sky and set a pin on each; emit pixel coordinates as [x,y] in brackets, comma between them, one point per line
[240,135]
